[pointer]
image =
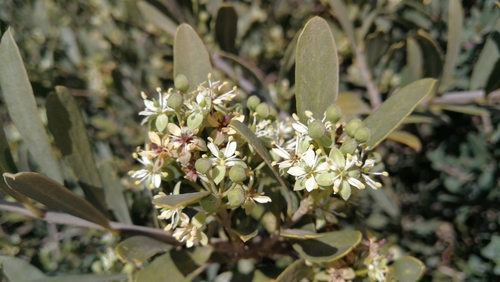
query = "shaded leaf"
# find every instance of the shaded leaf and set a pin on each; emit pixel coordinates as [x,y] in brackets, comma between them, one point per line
[385,202]
[226,27]
[67,127]
[190,56]
[330,247]
[316,69]
[16,269]
[395,109]
[140,248]
[465,109]
[340,11]
[245,233]
[21,104]
[114,192]
[352,104]
[487,59]
[180,200]
[85,278]
[152,14]
[288,60]
[433,59]
[414,60]
[455,23]
[300,234]
[296,272]
[406,138]
[407,269]
[376,46]
[55,196]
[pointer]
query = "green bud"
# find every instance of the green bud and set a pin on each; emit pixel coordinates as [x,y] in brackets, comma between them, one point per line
[237,173]
[333,113]
[273,114]
[203,165]
[263,110]
[252,102]
[362,134]
[236,197]
[181,82]
[210,203]
[352,125]
[348,147]
[316,129]
[175,100]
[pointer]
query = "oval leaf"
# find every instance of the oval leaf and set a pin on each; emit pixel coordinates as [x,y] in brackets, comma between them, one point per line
[296,272]
[70,134]
[16,269]
[395,109]
[85,278]
[352,104]
[316,69]
[152,14]
[226,25]
[414,59]
[330,247]
[246,233]
[140,248]
[455,23]
[114,192]
[487,59]
[21,103]
[190,56]
[433,59]
[55,196]
[407,269]
[300,234]
[406,138]
[181,200]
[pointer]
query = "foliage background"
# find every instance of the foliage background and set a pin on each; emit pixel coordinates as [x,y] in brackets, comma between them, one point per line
[445,195]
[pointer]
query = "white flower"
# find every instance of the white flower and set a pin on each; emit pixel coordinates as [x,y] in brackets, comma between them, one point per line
[346,173]
[365,173]
[225,157]
[190,230]
[151,173]
[310,168]
[155,107]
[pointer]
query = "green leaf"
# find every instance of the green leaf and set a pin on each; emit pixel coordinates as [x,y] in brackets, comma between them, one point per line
[406,138]
[407,269]
[352,104]
[296,272]
[152,14]
[376,46]
[21,104]
[226,25]
[114,192]
[161,122]
[55,196]
[340,11]
[385,202]
[300,234]
[191,58]
[455,23]
[16,269]
[140,248]
[465,109]
[180,266]
[395,109]
[414,59]
[70,134]
[316,69]
[433,59]
[492,250]
[181,200]
[330,247]
[489,56]
[246,233]
[85,278]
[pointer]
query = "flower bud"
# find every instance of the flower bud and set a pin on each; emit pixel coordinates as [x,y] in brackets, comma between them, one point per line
[252,102]
[316,129]
[236,197]
[362,134]
[181,82]
[237,173]
[263,110]
[210,203]
[352,125]
[348,147]
[203,165]
[175,100]
[333,113]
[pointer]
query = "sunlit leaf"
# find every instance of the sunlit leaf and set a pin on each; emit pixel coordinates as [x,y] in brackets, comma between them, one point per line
[296,272]
[21,104]
[180,200]
[300,234]
[316,69]
[140,248]
[395,109]
[226,27]
[408,269]
[487,59]
[455,23]
[190,56]
[352,104]
[150,13]
[246,233]
[16,269]
[70,134]
[330,247]
[406,138]
[55,196]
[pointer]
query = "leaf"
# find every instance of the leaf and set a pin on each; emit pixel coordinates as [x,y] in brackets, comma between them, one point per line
[487,59]
[316,69]
[342,15]
[406,138]
[140,248]
[226,25]
[296,272]
[376,46]
[21,104]
[55,196]
[299,234]
[465,109]
[70,134]
[152,14]
[190,56]
[330,247]
[255,142]
[407,269]
[433,59]
[16,269]
[455,23]
[181,200]
[245,233]
[395,109]
[385,202]
[352,104]
[114,192]
[414,59]
[85,278]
